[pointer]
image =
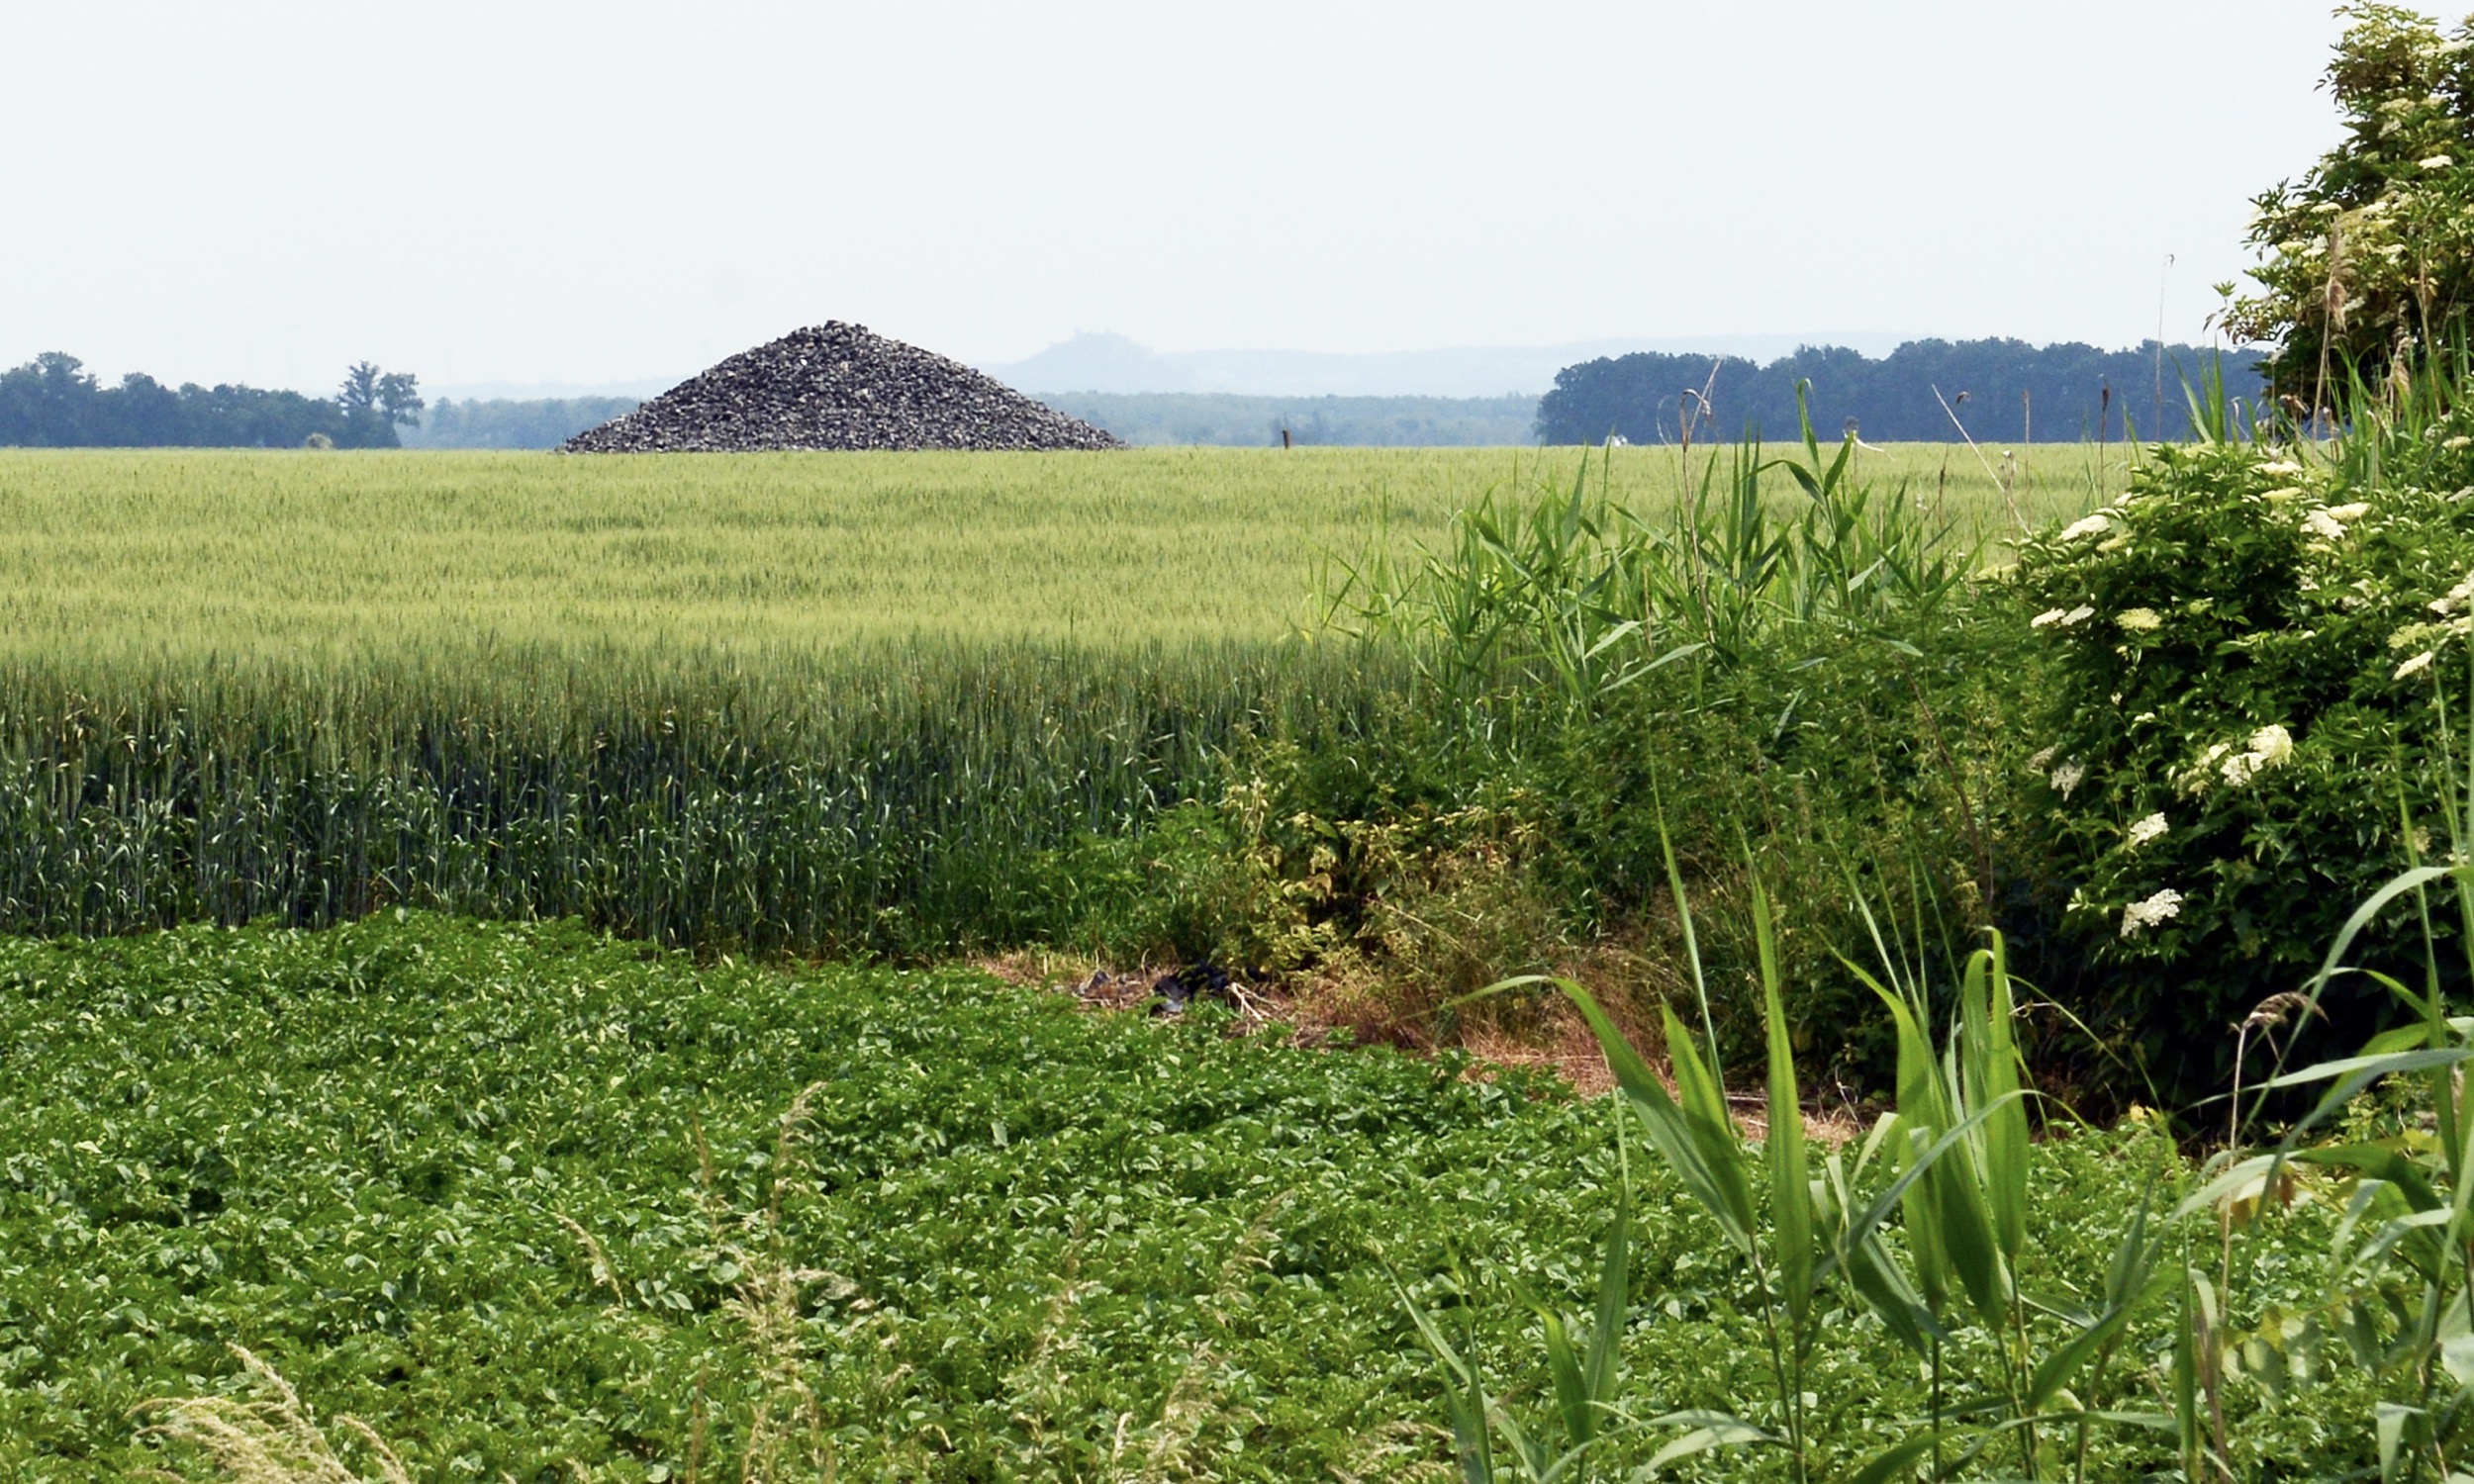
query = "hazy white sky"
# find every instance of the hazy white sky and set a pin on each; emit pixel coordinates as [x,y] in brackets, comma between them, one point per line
[590,192]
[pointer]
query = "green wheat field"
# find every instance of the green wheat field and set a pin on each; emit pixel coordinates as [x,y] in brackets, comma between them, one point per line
[166,562]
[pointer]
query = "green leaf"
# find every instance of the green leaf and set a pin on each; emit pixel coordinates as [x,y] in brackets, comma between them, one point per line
[1790,1173]
[1464,1394]
[1709,1161]
[1606,1336]
[1903,1311]
[2389,1421]
[1571,1392]
[2361,1071]
[1921,1165]
[1892,1462]
[1708,1429]
[2380,1163]
[1994,1065]
[2054,1371]
[2241,1173]
[1712,1127]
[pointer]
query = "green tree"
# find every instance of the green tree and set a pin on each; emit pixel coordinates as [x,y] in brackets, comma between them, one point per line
[375,404]
[2368,262]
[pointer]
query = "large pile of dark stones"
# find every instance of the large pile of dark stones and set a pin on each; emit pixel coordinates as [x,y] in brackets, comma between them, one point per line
[838,386]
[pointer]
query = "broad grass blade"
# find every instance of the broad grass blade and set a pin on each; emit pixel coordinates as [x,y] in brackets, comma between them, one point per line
[2380,1164]
[1903,1311]
[1606,1337]
[1571,1391]
[1712,1127]
[1895,1462]
[1790,1174]
[1705,1156]
[1994,1065]
[1464,1394]
[1709,1429]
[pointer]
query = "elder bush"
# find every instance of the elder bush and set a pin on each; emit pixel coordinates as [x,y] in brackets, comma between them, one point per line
[2250,655]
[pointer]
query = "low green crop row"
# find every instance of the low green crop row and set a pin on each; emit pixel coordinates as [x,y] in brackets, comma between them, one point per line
[528,1201]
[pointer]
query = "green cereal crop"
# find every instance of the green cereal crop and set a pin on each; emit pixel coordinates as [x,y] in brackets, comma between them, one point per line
[167,561]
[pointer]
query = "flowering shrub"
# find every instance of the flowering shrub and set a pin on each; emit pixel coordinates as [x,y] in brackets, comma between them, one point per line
[2371,256]
[2250,652]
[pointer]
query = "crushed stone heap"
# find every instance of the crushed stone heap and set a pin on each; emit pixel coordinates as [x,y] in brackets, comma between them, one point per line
[838,386]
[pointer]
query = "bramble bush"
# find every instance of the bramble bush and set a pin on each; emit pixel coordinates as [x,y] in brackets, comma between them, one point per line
[2247,659]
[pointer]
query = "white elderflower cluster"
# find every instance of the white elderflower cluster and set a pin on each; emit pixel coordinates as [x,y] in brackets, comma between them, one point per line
[2141,915]
[2194,778]
[2067,777]
[2090,525]
[2268,747]
[2455,599]
[2151,828]
[2436,162]
[2039,761]
[2328,523]
[2417,664]
[2139,620]
[2052,616]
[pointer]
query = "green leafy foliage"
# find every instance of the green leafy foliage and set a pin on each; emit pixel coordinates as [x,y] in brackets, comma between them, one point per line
[910,705]
[1020,1241]
[1032,1236]
[2368,261]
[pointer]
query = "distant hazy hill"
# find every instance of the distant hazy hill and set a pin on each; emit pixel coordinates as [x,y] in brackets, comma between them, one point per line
[1214,418]
[1113,363]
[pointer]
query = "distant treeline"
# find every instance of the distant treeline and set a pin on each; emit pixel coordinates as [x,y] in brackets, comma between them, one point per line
[1233,420]
[54,401]
[2000,390]
[497,424]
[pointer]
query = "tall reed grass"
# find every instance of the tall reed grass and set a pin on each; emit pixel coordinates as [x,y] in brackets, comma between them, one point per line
[1585,593]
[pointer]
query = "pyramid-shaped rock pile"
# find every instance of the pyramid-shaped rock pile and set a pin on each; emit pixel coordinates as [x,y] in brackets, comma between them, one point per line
[838,386]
